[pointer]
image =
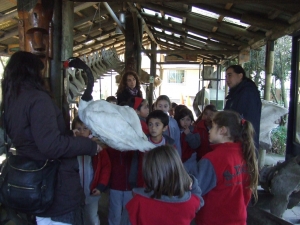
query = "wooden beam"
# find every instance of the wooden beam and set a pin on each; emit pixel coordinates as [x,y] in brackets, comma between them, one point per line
[114,17]
[223,28]
[9,35]
[209,43]
[97,36]
[96,27]
[222,38]
[120,38]
[213,52]
[83,6]
[9,16]
[252,19]
[132,8]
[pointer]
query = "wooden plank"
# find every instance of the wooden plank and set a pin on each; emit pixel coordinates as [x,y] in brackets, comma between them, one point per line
[214,52]
[132,8]
[196,30]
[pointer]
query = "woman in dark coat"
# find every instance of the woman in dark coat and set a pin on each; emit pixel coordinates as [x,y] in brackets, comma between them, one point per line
[129,87]
[37,130]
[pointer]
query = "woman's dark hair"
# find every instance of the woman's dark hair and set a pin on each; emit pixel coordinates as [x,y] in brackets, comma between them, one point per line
[164,173]
[183,113]
[237,69]
[123,83]
[22,68]
[241,130]
[158,114]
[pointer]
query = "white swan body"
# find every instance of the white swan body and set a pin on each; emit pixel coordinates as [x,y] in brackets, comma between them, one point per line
[117,126]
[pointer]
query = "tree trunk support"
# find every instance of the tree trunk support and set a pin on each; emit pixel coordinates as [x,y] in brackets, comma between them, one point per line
[269,65]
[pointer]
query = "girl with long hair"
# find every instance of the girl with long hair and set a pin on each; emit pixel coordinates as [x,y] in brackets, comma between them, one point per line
[203,124]
[189,138]
[170,195]
[228,175]
[129,87]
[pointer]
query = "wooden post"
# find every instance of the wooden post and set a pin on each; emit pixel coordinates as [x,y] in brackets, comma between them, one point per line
[67,29]
[269,65]
[35,31]
[152,74]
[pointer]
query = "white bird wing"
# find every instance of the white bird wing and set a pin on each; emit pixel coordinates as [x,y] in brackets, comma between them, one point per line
[117,126]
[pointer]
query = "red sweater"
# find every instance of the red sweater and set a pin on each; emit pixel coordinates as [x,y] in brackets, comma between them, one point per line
[147,211]
[121,162]
[226,204]
[204,137]
[144,127]
[186,150]
[102,168]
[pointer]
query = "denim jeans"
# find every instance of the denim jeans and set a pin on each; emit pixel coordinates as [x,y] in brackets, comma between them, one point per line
[117,201]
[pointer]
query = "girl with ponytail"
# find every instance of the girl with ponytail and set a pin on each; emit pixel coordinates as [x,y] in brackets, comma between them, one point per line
[228,175]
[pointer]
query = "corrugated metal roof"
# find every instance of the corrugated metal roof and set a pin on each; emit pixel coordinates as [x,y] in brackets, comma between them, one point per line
[175,26]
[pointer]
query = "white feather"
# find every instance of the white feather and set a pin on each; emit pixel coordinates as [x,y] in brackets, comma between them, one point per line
[117,126]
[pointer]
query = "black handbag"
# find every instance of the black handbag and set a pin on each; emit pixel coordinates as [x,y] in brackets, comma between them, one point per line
[28,185]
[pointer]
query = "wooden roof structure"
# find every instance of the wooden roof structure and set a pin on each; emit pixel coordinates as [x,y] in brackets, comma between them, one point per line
[214,30]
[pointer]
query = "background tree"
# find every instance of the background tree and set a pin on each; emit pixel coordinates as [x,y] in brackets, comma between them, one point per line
[256,65]
[282,64]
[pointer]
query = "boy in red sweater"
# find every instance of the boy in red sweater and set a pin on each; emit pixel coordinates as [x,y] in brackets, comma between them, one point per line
[157,122]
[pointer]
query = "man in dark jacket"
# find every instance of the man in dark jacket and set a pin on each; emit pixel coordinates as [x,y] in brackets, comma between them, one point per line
[243,97]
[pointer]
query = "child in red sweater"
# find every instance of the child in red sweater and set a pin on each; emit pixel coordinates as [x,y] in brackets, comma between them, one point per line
[141,107]
[228,174]
[171,196]
[189,138]
[202,125]
[94,175]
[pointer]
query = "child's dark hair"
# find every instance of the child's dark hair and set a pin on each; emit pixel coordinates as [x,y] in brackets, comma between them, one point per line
[111,99]
[164,173]
[241,130]
[163,97]
[183,113]
[178,108]
[210,107]
[158,114]
[136,103]
[75,121]
[173,104]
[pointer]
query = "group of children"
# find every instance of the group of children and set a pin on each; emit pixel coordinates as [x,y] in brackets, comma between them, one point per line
[214,154]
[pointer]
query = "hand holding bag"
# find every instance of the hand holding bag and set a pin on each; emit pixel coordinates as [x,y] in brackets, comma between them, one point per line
[28,185]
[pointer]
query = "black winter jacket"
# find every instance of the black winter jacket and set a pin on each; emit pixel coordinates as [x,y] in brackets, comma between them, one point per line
[245,99]
[125,95]
[37,130]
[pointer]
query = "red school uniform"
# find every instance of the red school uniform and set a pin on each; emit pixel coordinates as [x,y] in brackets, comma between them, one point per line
[204,137]
[102,169]
[189,143]
[226,203]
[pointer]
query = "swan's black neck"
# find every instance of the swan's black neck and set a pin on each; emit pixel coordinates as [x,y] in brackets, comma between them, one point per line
[79,64]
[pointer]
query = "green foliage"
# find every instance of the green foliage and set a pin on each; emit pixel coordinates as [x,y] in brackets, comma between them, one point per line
[278,139]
